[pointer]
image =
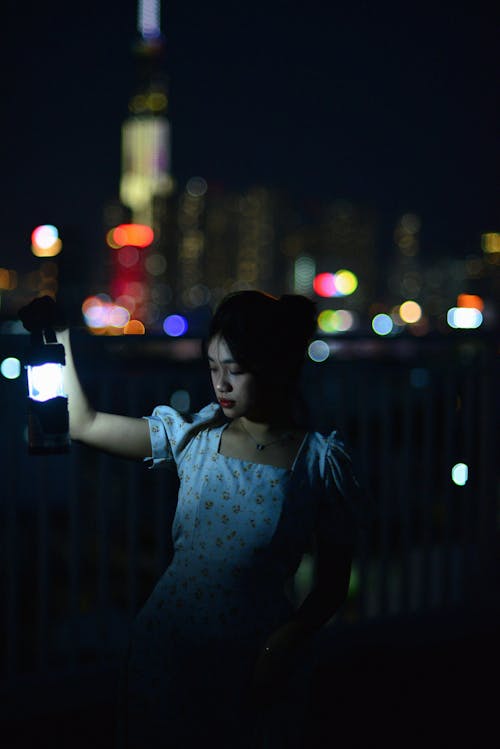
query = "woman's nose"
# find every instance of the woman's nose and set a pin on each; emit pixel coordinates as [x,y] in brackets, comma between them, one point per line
[223,385]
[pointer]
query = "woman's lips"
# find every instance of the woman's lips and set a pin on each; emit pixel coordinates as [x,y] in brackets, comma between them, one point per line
[226,403]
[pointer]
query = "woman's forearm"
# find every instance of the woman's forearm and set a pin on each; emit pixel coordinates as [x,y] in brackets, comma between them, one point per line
[81,413]
[318,608]
[125,436]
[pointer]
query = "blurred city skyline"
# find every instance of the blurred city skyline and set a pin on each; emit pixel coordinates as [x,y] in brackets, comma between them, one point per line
[385,107]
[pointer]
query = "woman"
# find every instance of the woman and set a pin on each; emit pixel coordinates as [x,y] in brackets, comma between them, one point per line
[216,651]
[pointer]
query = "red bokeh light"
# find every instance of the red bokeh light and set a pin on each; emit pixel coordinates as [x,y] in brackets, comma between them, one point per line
[324,285]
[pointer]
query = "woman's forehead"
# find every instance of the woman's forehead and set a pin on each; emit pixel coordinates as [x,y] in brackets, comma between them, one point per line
[218,350]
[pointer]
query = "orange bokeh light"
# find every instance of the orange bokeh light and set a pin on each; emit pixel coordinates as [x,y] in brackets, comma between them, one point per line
[134,327]
[471,301]
[136,235]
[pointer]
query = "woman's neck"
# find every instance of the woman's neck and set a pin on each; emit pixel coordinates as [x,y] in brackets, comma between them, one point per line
[268,421]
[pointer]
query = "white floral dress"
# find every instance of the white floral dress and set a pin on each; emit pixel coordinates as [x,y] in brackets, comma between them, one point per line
[239,533]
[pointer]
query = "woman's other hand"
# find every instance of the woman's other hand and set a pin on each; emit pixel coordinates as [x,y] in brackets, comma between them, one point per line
[276,663]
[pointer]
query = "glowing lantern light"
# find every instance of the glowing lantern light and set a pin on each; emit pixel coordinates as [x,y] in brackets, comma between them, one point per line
[45,241]
[410,312]
[345,282]
[470,301]
[137,235]
[175,325]
[464,317]
[48,403]
[460,474]
[324,285]
[382,324]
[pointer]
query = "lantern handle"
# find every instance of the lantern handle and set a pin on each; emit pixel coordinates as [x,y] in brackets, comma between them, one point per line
[49,335]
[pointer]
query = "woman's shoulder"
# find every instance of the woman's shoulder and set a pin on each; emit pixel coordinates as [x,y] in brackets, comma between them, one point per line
[180,425]
[172,417]
[171,431]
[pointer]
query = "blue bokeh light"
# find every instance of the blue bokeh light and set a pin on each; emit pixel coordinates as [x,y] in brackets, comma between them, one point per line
[175,325]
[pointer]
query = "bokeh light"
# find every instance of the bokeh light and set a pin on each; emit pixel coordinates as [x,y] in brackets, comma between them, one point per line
[318,351]
[410,223]
[8,279]
[127,301]
[324,285]
[156,264]
[118,316]
[181,401]
[327,321]
[128,256]
[335,321]
[110,241]
[464,317]
[95,312]
[471,301]
[45,241]
[134,327]
[410,312]
[382,324]
[137,235]
[196,187]
[460,474]
[346,282]
[304,270]
[491,242]
[175,325]
[11,368]
[101,315]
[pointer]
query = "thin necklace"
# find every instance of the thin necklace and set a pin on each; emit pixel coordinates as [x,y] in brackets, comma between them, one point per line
[262,445]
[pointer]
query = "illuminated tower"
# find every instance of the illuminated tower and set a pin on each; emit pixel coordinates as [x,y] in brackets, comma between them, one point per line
[146,185]
[145,173]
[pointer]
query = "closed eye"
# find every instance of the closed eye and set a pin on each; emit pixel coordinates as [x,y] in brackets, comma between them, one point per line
[231,371]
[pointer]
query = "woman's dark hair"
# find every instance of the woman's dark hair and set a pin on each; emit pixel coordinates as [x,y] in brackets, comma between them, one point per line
[265,334]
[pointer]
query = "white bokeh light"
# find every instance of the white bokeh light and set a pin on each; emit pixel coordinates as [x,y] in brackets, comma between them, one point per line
[10,368]
[460,474]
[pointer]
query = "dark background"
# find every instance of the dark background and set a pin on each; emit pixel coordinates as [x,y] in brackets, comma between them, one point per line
[384,103]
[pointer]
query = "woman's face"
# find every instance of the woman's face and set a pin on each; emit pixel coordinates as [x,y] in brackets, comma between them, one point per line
[235,388]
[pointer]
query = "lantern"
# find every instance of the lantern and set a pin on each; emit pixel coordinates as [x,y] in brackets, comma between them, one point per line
[48,420]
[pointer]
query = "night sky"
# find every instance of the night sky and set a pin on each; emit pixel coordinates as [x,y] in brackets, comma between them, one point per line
[387,104]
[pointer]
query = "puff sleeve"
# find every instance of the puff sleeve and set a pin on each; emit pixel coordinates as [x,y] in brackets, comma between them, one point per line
[341,507]
[171,431]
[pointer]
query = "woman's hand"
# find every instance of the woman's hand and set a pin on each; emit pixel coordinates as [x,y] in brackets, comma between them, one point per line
[41,313]
[275,663]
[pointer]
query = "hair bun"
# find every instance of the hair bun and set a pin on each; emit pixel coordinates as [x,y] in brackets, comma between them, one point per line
[300,313]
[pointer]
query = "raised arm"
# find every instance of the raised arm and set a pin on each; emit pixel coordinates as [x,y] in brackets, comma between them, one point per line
[120,435]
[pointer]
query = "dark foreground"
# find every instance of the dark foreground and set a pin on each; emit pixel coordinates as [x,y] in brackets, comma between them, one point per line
[402,682]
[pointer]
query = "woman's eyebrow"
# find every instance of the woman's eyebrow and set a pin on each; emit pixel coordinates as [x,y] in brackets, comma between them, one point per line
[224,361]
